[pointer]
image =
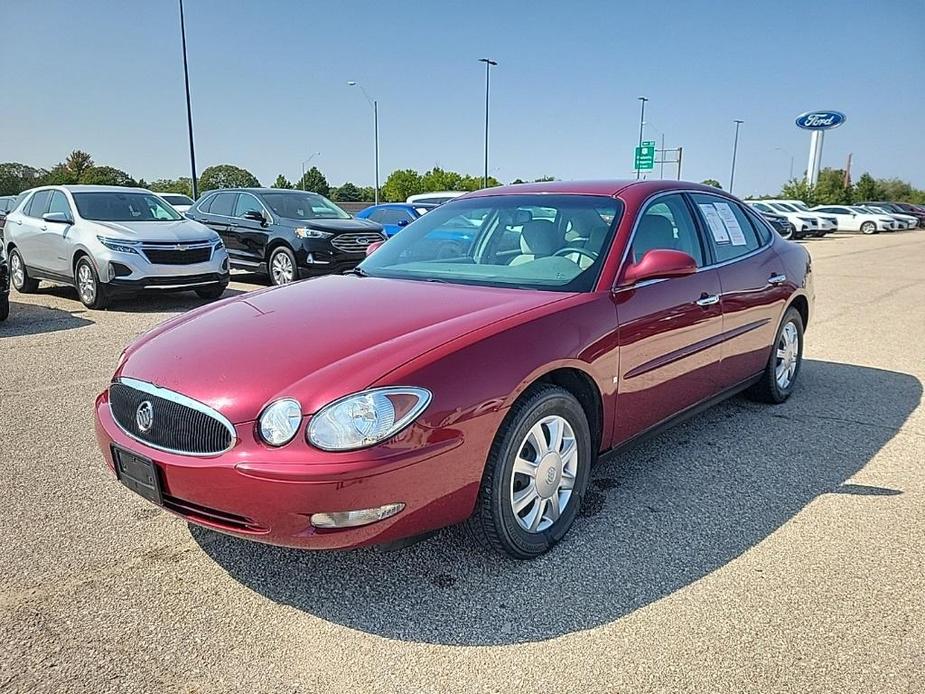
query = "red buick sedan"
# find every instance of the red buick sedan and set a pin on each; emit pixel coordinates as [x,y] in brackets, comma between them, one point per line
[472,369]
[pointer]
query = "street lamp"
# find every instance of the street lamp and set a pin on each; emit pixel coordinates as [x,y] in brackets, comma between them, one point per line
[735,147]
[781,149]
[375,106]
[189,110]
[307,161]
[488,64]
[642,120]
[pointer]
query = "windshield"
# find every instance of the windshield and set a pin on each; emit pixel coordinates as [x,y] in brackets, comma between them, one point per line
[124,207]
[762,207]
[300,205]
[801,206]
[782,207]
[177,199]
[554,242]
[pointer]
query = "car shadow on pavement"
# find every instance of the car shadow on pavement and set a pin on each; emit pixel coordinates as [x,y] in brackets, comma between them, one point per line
[657,517]
[32,319]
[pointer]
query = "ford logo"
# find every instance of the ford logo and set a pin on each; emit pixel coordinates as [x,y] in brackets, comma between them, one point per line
[820,120]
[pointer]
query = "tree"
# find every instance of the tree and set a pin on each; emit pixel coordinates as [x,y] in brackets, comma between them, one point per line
[367,193]
[77,162]
[400,184]
[830,189]
[314,181]
[106,176]
[867,189]
[226,176]
[346,193]
[896,190]
[544,179]
[15,177]
[282,182]
[517,181]
[799,189]
[180,185]
[59,175]
[712,182]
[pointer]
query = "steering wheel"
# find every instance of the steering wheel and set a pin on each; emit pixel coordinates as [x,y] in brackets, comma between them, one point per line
[580,251]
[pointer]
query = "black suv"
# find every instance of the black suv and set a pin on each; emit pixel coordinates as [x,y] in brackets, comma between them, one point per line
[4,285]
[287,234]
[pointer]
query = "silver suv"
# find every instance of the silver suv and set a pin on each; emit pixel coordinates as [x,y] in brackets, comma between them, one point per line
[105,240]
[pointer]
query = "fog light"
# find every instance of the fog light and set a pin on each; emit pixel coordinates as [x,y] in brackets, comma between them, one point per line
[351,519]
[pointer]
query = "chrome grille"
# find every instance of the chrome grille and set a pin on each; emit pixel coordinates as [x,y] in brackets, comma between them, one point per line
[182,253]
[355,243]
[177,424]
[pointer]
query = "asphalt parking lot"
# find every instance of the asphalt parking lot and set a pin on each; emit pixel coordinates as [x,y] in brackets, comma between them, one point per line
[750,549]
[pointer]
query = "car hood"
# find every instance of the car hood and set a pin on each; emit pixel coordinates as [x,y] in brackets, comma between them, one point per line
[314,340]
[180,230]
[337,226]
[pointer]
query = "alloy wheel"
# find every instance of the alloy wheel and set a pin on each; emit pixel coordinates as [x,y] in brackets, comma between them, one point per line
[17,271]
[86,283]
[281,269]
[788,354]
[544,474]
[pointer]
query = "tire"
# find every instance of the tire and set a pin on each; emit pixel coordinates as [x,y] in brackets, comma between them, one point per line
[212,292]
[788,235]
[494,523]
[4,307]
[820,234]
[868,228]
[19,276]
[770,388]
[281,266]
[91,292]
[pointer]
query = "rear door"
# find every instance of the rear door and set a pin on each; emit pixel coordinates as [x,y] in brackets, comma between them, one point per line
[28,231]
[219,223]
[57,238]
[847,220]
[754,286]
[670,329]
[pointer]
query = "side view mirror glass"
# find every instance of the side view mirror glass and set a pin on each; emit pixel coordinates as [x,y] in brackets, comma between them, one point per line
[659,263]
[58,217]
[255,215]
[402,222]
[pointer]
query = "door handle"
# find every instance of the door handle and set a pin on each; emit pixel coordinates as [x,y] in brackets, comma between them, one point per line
[777,279]
[44,228]
[708,299]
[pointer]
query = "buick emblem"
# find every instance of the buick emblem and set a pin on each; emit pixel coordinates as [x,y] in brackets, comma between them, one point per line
[144,416]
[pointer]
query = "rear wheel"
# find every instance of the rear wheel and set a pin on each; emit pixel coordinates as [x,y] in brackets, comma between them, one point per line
[783,366]
[868,228]
[20,276]
[536,475]
[92,292]
[282,266]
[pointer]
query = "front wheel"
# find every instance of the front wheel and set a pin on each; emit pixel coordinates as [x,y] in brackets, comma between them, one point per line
[868,228]
[536,475]
[783,366]
[20,276]
[282,266]
[92,292]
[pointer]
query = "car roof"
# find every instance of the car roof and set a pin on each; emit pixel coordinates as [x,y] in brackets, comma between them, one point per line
[259,190]
[609,188]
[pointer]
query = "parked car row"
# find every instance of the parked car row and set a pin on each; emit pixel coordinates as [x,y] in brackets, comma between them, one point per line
[868,218]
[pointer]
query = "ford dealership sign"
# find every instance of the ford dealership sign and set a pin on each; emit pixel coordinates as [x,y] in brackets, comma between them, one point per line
[820,120]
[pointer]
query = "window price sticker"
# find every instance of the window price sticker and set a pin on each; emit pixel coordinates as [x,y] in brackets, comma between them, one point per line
[715,222]
[732,224]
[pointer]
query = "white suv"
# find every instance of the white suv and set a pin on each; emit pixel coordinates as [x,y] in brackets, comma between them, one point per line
[804,224]
[827,223]
[108,239]
[858,219]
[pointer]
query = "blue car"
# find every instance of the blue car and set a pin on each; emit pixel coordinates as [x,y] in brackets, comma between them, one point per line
[393,216]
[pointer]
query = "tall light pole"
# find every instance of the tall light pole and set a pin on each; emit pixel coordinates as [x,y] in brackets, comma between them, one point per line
[781,149]
[642,120]
[735,147]
[307,161]
[375,105]
[488,63]
[189,109]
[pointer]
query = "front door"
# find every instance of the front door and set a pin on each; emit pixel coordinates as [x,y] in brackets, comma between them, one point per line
[670,329]
[754,285]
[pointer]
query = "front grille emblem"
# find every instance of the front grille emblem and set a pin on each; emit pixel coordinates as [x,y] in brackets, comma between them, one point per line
[144,416]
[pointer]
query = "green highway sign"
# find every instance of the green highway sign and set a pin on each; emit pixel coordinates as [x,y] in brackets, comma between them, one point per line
[645,156]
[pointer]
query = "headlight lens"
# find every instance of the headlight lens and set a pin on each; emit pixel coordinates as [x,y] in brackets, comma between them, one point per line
[306,233]
[119,245]
[218,245]
[279,421]
[366,418]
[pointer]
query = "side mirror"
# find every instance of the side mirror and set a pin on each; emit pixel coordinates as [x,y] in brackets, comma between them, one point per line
[659,263]
[255,216]
[403,222]
[373,247]
[58,218]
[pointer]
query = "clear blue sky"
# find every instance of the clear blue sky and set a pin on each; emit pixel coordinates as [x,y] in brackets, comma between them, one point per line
[269,85]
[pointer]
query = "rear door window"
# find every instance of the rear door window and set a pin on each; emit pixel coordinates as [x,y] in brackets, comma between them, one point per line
[223,204]
[39,203]
[728,227]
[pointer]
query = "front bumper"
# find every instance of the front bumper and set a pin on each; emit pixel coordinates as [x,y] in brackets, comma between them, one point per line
[268,495]
[134,270]
[320,257]
[168,283]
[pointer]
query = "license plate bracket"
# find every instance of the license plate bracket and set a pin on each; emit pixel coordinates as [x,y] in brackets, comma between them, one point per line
[139,474]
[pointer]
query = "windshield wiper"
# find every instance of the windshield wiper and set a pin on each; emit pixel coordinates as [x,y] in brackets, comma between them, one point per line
[358,271]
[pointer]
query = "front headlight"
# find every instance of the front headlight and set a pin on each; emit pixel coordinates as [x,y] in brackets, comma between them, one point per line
[118,244]
[306,233]
[279,421]
[218,245]
[364,419]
